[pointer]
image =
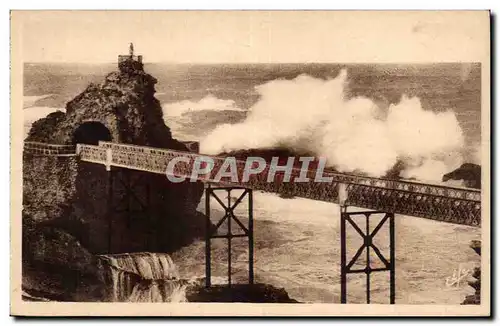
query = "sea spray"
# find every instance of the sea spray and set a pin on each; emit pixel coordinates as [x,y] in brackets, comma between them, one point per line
[355,134]
[141,277]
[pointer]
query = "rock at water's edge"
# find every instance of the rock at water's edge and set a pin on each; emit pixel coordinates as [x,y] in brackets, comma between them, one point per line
[256,293]
[56,266]
[468,172]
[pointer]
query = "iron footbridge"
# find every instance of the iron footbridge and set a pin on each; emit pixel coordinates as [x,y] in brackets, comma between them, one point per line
[382,197]
[437,202]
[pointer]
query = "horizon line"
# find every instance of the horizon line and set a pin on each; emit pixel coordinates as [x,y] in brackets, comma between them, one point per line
[255,63]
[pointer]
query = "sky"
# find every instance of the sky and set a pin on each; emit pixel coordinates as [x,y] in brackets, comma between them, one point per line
[250,36]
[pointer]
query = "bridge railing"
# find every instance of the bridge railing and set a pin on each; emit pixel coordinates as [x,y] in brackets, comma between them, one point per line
[450,204]
[38,148]
[150,158]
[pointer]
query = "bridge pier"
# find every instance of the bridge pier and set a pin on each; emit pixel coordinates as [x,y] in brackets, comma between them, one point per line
[346,267]
[229,216]
[115,207]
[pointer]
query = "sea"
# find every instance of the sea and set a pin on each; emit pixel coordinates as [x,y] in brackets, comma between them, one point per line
[210,95]
[296,239]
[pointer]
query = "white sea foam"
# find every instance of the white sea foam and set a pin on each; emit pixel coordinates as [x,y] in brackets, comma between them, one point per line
[354,134]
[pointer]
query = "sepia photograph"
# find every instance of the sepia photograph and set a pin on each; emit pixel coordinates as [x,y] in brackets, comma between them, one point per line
[250,162]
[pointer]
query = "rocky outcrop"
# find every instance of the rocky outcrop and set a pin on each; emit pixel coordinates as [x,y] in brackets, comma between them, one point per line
[124,103]
[256,293]
[67,203]
[475,283]
[268,153]
[284,153]
[56,266]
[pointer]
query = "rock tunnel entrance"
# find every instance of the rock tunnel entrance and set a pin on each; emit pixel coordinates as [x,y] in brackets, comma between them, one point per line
[91,133]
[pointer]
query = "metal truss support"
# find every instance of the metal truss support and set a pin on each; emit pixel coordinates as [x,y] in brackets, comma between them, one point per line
[347,267]
[122,206]
[229,216]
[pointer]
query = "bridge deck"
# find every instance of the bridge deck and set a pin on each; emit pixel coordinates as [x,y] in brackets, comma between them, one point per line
[449,204]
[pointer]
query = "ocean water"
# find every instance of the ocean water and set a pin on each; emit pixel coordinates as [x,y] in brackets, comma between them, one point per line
[297,247]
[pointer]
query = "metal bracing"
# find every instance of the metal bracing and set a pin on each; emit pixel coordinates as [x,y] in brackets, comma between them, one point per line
[346,266]
[122,205]
[229,217]
[438,202]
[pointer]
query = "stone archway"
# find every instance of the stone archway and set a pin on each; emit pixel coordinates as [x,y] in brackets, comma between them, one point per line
[91,133]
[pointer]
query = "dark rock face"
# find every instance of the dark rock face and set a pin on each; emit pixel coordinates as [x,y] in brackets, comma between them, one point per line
[48,186]
[124,103]
[148,213]
[468,172]
[256,293]
[56,266]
